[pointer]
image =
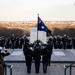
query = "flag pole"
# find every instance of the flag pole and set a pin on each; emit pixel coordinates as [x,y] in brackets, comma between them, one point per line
[37,27]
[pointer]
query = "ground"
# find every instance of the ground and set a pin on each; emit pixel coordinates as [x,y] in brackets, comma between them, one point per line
[55,68]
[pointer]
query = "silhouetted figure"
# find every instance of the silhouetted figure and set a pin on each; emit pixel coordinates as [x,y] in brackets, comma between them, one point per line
[55,42]
[69,43]
[21,42]
[2,42]
[25,48]
[64,40]
[17,42]
[45,57]
[25,45]
[49,48]
[73,42]
[59,42]
[7,43]
[12,41]
[37,57]
[28,56]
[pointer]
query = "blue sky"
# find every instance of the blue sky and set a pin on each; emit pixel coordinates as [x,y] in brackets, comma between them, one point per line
[27,10]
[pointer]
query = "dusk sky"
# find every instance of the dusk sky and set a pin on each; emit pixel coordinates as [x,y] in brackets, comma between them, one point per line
[27,10]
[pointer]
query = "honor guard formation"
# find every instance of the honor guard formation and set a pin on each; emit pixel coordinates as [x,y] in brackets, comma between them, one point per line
[35,52]
[57,42]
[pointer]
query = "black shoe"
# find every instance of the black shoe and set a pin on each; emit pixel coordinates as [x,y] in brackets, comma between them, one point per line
[28,71]
[37,71]
[45,71]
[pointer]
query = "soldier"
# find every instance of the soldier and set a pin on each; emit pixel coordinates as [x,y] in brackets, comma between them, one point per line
[7,43]
[59,42]
[25,48]
[25,45]
[49,47]
[17,42]
[28,56]
[2,42]
[50,41]
[12,41]
[69,43]
[73,42]
[21,42]
[26,40]
[64,40]
[37,57]
[45,57]
[55,42]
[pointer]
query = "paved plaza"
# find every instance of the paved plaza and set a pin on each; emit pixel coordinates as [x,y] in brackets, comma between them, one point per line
[54,69]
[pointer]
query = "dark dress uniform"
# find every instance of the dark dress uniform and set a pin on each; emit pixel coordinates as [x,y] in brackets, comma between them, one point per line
[64,40]
[50,41]
[12,42]
[73,42]
[17,43]
[25,46]
[49,48]
[45,55]
[21,41]
[59,42]
[7,43]
[69,43]
[55,42]
[37,57]
[28,56]
[2,41]
[26,40]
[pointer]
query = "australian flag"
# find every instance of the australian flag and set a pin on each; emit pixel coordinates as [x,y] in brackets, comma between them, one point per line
[42,26]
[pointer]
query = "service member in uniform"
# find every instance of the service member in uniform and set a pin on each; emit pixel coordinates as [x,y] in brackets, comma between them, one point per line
[73,42]
[3,42]
[7,43]
[64,40]
[45,57]
[69,43]
[17,42]
[28,56]
[12,41]
[21,42]
[37,57]
[49,48]
[55,42]
[59,42]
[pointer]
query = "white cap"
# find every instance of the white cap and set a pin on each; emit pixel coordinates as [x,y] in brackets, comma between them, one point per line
[0,48]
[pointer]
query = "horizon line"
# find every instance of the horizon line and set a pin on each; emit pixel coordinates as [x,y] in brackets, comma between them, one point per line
[43,21]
